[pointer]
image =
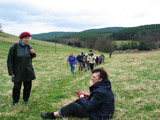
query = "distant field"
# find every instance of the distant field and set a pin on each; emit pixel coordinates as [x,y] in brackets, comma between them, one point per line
[135,82]
[122,42]
[119,43]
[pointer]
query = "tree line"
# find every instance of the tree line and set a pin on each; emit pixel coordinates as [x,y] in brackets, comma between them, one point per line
[134,33]
[142,38]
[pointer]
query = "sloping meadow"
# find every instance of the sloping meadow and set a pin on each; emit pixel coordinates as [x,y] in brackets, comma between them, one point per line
[135,82]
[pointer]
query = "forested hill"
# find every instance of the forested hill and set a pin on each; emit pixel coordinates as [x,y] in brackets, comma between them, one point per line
[116,33]
[138,33]
[107,29]
[86,34]
[45,36]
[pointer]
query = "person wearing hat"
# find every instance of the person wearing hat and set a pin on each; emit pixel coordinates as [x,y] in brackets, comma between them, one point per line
[20,67]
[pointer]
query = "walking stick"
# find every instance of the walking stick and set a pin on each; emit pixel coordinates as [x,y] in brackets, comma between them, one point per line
[67,67]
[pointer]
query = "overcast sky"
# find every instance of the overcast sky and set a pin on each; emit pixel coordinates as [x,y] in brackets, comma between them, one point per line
[41,16]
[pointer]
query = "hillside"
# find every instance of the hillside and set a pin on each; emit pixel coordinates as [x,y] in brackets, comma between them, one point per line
[134,77]
[137,33]
[144,37]
[45,36]
[119,33]
[116,33]
[107,29]
[86,34]
[83,36]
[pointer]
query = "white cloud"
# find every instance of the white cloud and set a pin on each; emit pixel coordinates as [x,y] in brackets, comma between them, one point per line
[76,15]
[33,27]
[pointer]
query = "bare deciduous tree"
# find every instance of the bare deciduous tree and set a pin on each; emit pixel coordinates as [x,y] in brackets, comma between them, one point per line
[105,44]
[90,43]
[0,28]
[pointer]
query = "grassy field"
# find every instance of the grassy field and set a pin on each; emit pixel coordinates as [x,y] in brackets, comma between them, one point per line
[135,82]
[124,42]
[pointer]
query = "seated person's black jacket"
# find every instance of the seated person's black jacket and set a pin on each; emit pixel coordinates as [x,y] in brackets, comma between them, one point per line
[100,105]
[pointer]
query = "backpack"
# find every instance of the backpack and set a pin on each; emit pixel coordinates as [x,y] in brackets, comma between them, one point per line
[15,49]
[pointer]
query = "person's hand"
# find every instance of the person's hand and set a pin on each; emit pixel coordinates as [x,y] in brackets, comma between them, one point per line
[84,93]
[81,95]
[13,75]
[31,51]
[78,93]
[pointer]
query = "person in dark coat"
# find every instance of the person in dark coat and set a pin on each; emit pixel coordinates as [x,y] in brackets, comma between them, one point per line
[20,67]
[97,60]
[98,106]
[83,63]
[80,60]
[100,59]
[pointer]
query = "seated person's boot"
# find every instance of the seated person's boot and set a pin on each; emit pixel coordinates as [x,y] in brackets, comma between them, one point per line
[48,116]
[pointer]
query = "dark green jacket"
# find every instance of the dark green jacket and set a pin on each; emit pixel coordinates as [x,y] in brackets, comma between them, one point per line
[19,63]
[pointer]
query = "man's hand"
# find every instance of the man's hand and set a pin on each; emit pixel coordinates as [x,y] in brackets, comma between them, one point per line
[85,94]
[80,95]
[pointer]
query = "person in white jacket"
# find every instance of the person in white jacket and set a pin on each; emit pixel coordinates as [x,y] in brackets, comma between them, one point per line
[91,58]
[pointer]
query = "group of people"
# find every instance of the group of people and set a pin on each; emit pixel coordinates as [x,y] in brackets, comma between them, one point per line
[98,105]
[85,61]
[99,59]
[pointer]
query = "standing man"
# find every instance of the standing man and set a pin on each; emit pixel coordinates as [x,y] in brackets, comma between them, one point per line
[72,61]
[98,106]
[80,60]
[91,58]
[20,67]
[83,55]
[110,54]
[86,63]
[97,60]
[103,58]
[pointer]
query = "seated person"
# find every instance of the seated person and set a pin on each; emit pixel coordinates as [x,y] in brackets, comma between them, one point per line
[98,106]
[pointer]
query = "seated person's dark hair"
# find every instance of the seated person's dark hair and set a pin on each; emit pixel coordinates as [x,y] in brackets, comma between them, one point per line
[103,74]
